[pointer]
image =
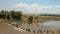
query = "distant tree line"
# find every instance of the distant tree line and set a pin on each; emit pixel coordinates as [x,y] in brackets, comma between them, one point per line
[56,15]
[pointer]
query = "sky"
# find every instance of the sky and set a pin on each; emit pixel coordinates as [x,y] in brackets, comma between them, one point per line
[32,6]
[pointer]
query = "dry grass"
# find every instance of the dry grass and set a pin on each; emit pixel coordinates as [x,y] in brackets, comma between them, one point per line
[40,18]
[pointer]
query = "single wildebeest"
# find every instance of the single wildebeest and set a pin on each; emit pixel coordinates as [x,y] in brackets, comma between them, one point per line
[33,31]
[28,30]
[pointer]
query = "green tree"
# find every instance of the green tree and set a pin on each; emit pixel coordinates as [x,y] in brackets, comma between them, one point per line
[30,19]
[18,15]
[6,14]
[2,15]
[12,14]
[2,12]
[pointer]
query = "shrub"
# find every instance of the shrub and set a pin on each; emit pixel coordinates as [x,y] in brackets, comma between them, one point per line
[30,19]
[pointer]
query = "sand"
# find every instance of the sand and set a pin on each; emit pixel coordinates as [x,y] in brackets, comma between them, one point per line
[6,29]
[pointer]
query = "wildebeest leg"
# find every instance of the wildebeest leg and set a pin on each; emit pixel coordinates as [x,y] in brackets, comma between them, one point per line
[47,31]
[40,31]
[33,31]
[37,31]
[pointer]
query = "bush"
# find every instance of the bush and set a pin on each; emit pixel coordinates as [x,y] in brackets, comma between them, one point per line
[16,15]
[30,19]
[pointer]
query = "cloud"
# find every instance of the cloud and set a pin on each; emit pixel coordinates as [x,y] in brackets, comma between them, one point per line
[20,5]
[37,9]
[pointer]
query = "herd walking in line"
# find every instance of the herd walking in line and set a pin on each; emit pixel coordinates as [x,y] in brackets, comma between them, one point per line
[38,31]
